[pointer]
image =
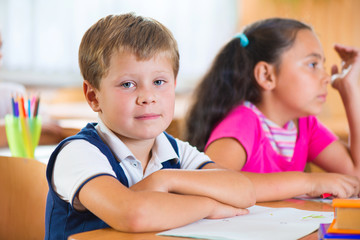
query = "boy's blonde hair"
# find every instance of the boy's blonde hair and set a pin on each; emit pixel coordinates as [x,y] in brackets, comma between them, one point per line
[143,37]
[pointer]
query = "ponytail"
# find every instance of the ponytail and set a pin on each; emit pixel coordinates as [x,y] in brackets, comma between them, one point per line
[226,85]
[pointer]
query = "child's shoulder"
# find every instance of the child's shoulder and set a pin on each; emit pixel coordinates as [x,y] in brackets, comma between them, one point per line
[241,113]
[241,120]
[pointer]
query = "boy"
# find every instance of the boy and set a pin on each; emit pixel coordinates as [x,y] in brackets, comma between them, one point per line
[108,174]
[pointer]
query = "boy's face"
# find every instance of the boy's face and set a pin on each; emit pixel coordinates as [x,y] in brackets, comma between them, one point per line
[136,99]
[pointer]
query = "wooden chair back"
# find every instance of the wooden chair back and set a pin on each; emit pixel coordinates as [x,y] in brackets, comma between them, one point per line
[23,191]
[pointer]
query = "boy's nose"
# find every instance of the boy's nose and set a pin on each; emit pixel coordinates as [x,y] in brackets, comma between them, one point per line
[145,97]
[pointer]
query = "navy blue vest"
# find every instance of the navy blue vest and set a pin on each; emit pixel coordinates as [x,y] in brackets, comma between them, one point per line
[61,219]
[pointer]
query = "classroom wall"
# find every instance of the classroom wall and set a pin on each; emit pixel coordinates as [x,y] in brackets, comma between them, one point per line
[335,21]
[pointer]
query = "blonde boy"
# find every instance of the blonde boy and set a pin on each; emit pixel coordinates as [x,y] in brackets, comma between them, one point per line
[125,171]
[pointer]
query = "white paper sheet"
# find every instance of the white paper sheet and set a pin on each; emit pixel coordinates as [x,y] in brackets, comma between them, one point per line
[261,223]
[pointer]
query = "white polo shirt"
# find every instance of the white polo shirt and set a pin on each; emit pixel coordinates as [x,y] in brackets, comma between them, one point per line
[79,161]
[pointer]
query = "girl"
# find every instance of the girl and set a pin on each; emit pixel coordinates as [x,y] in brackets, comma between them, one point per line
[254,112]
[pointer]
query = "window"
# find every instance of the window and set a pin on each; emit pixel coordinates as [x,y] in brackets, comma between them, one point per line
[41,37]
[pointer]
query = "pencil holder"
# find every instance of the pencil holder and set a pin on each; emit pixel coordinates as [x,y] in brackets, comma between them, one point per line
[23,135]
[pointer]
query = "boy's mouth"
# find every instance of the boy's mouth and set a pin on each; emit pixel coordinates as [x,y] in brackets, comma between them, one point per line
[148,116]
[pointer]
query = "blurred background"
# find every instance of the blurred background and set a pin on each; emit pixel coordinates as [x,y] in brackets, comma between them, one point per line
[41,40]
[41,37]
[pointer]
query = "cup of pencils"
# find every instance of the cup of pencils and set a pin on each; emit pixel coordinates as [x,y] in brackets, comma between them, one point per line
[23,127]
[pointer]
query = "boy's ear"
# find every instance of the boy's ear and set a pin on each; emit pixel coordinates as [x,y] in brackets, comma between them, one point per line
[265,75]
[91,96]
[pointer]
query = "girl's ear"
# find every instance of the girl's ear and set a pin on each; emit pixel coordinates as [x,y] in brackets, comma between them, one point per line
[265,75]
[91,96]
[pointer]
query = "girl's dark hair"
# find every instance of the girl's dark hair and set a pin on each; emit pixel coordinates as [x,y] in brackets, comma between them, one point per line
[231,80]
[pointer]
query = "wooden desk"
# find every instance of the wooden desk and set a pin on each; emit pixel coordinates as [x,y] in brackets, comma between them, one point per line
[107,234]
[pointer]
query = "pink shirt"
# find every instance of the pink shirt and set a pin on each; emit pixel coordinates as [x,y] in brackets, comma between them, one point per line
[244,125]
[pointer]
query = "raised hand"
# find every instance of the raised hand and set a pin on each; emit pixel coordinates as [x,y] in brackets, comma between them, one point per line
[350,69]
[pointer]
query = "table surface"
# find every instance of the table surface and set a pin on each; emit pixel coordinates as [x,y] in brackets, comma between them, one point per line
[108,233]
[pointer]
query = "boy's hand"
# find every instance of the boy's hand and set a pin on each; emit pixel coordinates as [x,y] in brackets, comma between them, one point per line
[339,185]
[221,210]
[350,71]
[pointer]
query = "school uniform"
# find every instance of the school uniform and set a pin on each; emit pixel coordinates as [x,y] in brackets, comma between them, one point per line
[97,151]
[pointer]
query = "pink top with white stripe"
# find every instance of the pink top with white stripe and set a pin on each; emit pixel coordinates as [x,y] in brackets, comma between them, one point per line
[282,139]
[245,126]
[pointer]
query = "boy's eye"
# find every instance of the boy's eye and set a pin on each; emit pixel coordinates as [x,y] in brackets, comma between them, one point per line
[159,82]
[127,84]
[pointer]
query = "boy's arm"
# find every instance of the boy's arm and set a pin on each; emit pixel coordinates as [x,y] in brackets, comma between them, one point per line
[143,211]
[223,185]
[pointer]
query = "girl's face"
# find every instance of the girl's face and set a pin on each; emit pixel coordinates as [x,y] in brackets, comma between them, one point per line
[301,82]
[136,99]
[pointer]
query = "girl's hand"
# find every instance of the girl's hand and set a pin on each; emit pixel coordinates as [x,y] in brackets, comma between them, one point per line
[339,185]
[350,69]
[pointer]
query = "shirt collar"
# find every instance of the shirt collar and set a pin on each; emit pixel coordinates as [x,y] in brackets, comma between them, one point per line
[162,149]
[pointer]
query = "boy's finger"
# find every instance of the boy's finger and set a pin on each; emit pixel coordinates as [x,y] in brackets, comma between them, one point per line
[242,212]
